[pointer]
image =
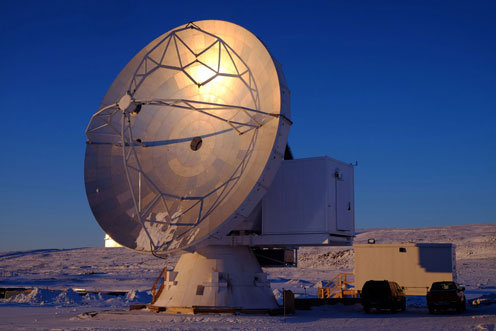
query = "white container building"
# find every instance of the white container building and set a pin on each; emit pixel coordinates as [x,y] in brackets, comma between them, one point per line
[414,266]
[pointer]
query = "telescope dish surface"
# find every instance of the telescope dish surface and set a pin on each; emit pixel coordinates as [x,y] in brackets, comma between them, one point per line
[187,139]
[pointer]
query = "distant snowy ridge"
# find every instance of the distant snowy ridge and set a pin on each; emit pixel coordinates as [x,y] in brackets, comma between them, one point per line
[54,273]
[475,241]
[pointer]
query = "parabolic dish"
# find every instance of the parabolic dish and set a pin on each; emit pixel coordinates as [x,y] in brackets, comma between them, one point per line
[187,139]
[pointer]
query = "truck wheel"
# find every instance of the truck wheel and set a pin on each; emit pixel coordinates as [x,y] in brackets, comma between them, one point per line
[366,309]
[459,309]
[431,310]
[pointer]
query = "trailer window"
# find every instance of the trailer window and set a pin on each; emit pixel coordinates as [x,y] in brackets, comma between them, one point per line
[402,250]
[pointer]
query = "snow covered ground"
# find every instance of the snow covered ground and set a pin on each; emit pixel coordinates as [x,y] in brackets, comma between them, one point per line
[55,274]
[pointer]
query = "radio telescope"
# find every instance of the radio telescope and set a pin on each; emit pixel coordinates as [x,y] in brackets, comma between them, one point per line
[183,157]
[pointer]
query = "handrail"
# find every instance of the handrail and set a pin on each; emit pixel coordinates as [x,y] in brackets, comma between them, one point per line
[155,293]
[338,287]
[333,281]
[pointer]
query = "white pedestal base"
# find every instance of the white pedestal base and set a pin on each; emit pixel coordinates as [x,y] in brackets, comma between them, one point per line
[217,276]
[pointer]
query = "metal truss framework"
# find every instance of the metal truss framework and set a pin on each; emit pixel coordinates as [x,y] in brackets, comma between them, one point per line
[102,128]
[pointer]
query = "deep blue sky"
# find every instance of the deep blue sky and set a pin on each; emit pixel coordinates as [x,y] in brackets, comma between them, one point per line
[406,88]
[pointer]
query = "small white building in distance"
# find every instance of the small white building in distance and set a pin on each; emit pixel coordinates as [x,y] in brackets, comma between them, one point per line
[109,242]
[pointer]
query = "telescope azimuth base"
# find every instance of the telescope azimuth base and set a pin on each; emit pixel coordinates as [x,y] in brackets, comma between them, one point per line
[217,276]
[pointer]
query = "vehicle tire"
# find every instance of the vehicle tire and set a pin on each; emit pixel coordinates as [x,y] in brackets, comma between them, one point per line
[366,309]
[459,309]
[431,310]
[403,305]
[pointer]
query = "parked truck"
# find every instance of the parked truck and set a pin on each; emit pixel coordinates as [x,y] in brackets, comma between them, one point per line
[446,295]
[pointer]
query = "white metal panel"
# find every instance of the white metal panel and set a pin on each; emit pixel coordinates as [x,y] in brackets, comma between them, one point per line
[305,199]
[344,198]
[296,204]
[453,263]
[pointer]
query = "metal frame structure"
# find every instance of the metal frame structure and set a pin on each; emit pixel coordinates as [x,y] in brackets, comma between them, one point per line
[129,107]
